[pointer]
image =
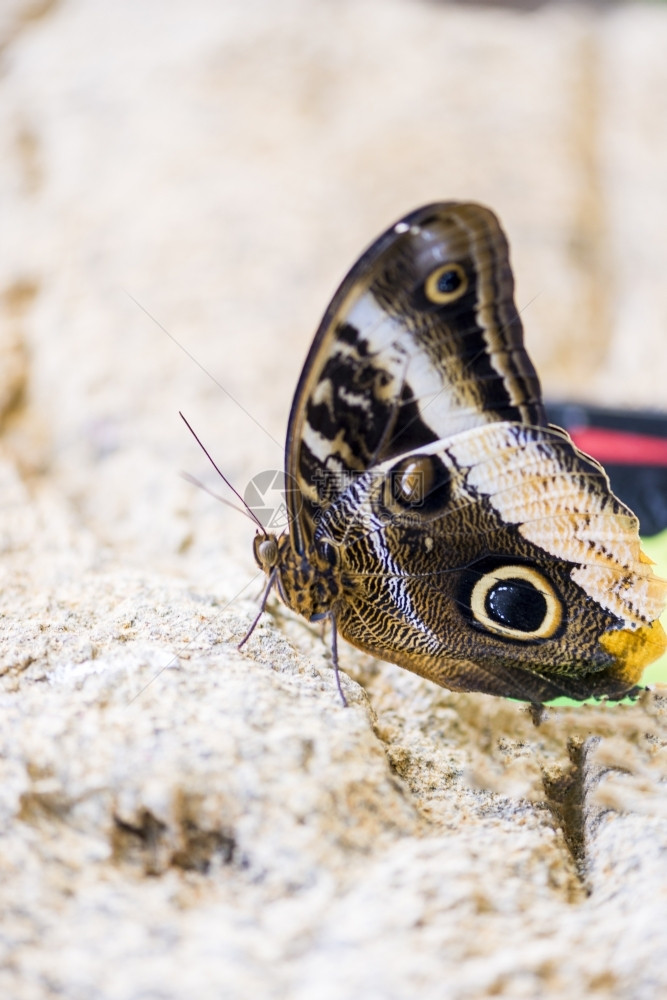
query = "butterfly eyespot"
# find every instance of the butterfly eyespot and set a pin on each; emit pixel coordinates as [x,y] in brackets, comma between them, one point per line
[265,549]
[446,284]
[420,483]
[410,482]
[516,601]
[328,552]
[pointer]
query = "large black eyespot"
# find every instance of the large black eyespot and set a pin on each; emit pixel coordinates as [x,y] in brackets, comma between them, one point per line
[512,604]
[517,601]
[446,284]
[420,483]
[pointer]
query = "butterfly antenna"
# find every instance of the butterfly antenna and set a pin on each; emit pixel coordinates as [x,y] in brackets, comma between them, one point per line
[227,483]
[216,496]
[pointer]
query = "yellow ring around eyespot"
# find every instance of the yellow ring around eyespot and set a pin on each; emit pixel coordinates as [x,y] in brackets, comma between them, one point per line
[554,608]
[435,295]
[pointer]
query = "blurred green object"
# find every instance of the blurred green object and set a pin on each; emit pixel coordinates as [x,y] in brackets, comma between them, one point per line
[656,548]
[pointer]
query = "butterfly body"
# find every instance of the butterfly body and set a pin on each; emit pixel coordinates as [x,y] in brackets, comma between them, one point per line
[435,516]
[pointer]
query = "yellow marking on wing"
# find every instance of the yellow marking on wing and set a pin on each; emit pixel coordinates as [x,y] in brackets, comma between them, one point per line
[634,650]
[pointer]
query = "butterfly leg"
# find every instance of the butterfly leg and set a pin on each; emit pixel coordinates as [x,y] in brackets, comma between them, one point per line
[537,713]
[334,657]
[262,608]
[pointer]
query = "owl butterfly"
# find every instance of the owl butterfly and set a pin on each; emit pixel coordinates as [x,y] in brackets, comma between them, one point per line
[436,518]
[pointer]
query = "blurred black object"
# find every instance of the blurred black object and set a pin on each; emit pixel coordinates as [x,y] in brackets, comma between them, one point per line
[632,446]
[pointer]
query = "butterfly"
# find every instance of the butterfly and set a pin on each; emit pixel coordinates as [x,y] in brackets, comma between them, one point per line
[436,518]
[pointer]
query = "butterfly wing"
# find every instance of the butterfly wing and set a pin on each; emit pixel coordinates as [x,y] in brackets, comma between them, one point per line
[422,340]
[448,527]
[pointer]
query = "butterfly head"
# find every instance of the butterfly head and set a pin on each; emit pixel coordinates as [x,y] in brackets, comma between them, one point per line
[308,581]
[266,551]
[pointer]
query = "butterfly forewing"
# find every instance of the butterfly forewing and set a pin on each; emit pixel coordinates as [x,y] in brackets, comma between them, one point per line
[422,340]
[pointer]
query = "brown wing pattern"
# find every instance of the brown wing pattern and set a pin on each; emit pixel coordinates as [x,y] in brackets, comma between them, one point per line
[421,341]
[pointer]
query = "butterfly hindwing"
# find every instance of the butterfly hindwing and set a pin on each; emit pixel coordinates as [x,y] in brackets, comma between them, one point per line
[494,561]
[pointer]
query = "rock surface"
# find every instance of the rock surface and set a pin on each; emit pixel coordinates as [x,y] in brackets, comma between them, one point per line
[181,187]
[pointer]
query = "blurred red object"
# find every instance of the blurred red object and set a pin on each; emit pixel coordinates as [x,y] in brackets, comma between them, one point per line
[632,446]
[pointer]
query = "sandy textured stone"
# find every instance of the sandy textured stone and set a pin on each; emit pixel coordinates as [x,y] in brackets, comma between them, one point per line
[633,167]
[181,187]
